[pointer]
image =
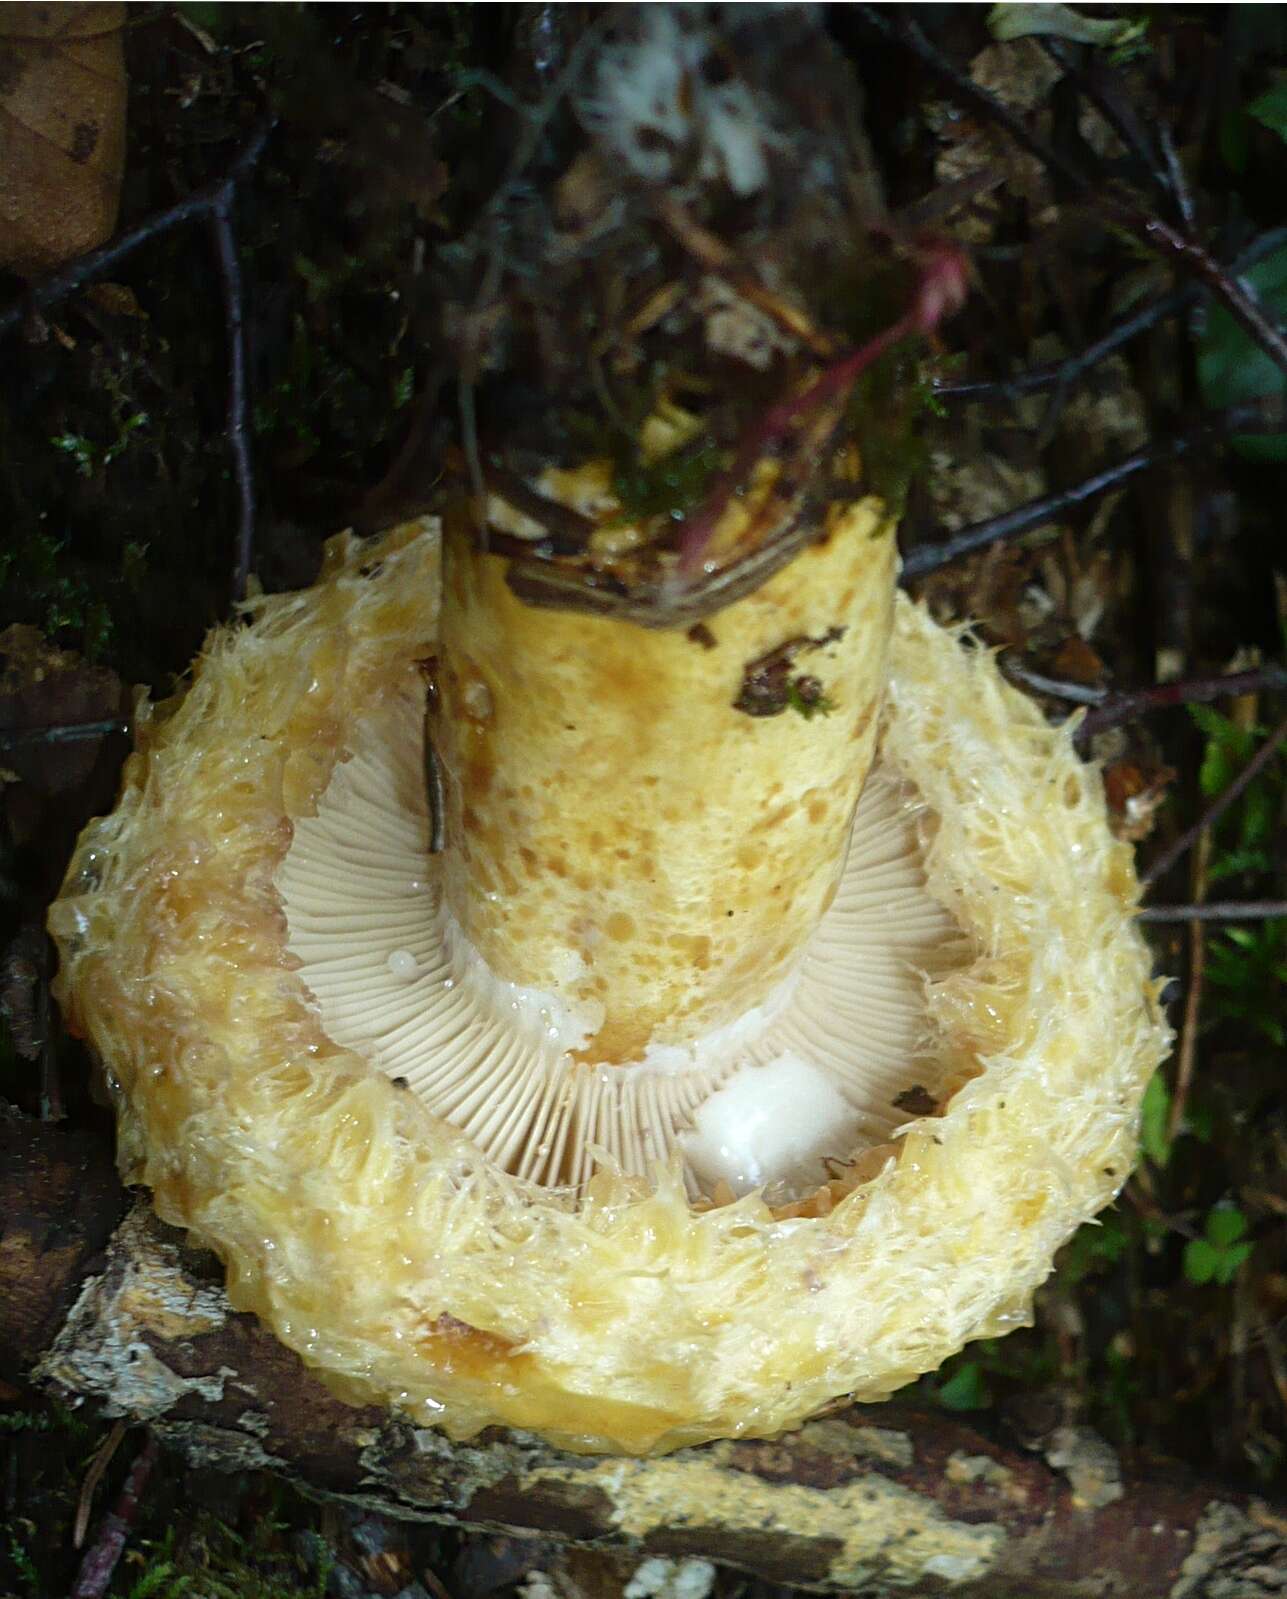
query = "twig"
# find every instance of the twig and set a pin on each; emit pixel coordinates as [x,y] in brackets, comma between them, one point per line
[768,432]
[1274,1356]
[1179,180]
[1155,234]
[1186,691]
[1104,92]
[1073,367]
[1050,507]
[103,1457]
[1230,796]
[94,263]
[1057,687]
[1186,1054]
[101,1557]
[1037,513]
[1229,910]
[17,738]
[212,204]
[52,1106]
[1197,260]
[225,241]
[1067,371]
[899,28]
[714,256]
[940,291]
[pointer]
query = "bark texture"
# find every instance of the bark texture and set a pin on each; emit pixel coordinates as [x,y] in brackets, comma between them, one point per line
[874,1498]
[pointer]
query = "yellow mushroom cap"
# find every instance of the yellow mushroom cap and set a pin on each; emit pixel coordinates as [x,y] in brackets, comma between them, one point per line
[379,1241]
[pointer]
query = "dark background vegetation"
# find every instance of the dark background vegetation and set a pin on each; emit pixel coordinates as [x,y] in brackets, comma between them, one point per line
[1165,1327]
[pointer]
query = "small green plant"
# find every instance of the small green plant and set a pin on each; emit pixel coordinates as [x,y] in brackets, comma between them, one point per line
[807,698]
[27,1421]
[1218,1254]
[1247,971]
[1244,840]
[91,457]
[965,1389]
[1270,109]
[1155,1119]
[23,1564]
[160,1579]
[40,560]
[672,486]
[1093,1247]
[1246,966]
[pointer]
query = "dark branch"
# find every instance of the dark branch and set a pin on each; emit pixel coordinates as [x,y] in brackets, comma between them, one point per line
[18,738]
[86,268]
[1158,236]
[1186,691]
[1250,418]
[1073,367]
[1105,92]
[897,26]
[212,204]
[225,240]
[1253,910]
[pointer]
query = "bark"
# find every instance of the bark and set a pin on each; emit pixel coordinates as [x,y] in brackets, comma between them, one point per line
[877,1498]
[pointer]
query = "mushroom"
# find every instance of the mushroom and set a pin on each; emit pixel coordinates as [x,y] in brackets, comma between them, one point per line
[558,1142]
[618,953]
[629,976]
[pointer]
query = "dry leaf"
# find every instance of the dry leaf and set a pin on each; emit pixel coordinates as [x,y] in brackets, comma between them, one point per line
[1135,789]
[41,685]
[62,130]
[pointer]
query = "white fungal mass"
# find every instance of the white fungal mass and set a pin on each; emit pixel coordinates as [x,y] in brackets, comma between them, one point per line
[810,1077]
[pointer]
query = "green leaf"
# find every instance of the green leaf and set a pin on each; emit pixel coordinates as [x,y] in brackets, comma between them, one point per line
[1200,1261]
[1232,368]
[1217,769]
[1210,721]
[1155,1112]
[1231,1260]
[1236,862]
[80,449]
[1095,1245]
[1270,109]
[1225,1226]
[1259,813]
[965,1389]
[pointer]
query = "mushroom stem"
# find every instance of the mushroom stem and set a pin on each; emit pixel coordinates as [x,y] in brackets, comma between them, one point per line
[648,824]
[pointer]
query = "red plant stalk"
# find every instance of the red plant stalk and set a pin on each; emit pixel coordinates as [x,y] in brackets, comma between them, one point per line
[940,291]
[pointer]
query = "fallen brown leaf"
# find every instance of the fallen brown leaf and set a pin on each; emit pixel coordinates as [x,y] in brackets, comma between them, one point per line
[42,686]
[62,130]
[1135,790]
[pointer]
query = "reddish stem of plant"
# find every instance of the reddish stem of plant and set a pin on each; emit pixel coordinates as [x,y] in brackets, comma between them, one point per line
[1184,691]
[940,291]
[100,1560]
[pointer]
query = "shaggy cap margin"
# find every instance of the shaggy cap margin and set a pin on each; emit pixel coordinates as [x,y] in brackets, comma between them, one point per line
[375,1240]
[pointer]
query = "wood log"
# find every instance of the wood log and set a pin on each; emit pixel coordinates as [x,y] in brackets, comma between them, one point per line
[97,1305]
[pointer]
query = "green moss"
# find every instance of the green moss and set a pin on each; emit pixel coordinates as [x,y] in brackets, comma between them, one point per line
[671,487]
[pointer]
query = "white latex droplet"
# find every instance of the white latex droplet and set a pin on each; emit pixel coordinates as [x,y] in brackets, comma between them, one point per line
[770,1124]
[403,964]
